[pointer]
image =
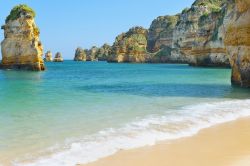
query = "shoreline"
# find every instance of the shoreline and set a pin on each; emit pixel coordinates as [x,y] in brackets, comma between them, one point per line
[226,144]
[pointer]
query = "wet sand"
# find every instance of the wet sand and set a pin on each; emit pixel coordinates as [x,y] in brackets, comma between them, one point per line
[222,145]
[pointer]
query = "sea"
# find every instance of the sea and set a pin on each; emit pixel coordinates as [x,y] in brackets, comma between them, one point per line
[78,112]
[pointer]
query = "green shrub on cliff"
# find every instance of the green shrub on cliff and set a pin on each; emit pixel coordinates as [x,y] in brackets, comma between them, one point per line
[185,10]
[209,2]
[17,10]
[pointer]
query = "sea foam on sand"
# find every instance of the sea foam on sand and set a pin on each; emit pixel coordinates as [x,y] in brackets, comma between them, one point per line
[175,124]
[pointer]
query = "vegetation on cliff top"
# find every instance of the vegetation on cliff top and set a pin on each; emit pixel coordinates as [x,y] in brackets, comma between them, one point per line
[18,10]
[209,2]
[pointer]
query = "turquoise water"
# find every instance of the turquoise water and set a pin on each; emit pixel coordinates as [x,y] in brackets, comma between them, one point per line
[78,112]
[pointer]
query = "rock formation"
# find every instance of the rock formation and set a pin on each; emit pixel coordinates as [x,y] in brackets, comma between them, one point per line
[104,52]
[237,40]
[21,47]
[48,56]
[194,36]
[161,32]
[80,55]
[210,33]
[58,57]
[130,46]
[92,53]
[160,38]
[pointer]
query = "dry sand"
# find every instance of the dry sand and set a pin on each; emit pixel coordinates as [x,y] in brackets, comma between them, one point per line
[222,145]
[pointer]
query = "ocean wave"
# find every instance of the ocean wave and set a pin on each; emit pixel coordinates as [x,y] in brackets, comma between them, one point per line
[175,124]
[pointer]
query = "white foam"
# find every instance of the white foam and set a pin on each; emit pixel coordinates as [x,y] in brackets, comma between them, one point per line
[179,123]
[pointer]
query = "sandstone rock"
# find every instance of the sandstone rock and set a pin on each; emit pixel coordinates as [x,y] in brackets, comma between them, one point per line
[197,37]
[194,36]
[21,47]
[237,41]
[130,46]
[104,52]
[48,56]
[58,57]
[161,32]
[92,54]
[80,55]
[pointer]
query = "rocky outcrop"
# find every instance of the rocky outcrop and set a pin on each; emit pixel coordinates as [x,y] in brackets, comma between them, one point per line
[130,46]
[160,38]
[237,40]
[104,52]
[161,32]
[21,47]
[194,36]
[80,55]
[58,57]
[48,56]
[92,53]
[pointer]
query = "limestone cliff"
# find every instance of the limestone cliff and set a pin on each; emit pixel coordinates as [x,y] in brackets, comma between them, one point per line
[21,47]
[58,57]
[130,46]
[237,40]
[92,53]
[160,38]
[161,32]
[80,55]
[48,56]
[104,52]
[194,36]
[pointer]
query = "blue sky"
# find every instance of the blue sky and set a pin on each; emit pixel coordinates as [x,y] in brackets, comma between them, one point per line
[65,25]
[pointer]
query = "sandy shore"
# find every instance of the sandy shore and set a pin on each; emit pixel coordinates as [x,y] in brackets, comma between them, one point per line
[222,145]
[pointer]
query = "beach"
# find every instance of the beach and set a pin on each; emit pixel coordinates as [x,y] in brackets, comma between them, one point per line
[97,109]
[226,144]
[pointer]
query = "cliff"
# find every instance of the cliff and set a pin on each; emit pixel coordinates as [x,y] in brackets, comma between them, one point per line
[130,46]
[194,36]
[104,52]
[21,47]
[92,53]
[237,40]
[80,55]
[160,38]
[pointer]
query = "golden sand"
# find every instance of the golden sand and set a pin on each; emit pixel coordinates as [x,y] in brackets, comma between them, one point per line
[222,145]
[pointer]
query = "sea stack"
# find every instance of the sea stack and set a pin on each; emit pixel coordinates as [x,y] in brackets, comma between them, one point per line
[237,41]
[21,47]
[48,56]
[58,57]
[80,55]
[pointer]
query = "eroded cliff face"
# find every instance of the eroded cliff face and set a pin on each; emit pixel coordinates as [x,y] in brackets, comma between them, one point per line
[80,55]
[130,46]
[237,40]
[104,52]
[195,36]
[92,53]
[160,38]
[161,32]
[21,47]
